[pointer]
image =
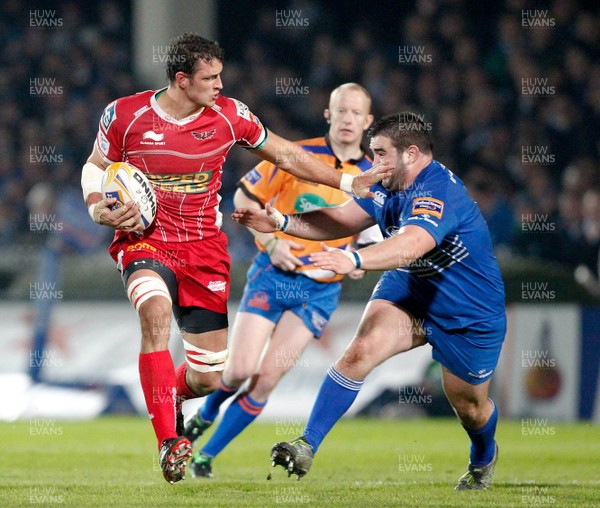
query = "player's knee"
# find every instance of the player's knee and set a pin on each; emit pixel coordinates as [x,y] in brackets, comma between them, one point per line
[204,368]
[156,310]
[238,372]
[469,412]
[264,383]
[155,317]
[203,383]
[357,356]
[155,322]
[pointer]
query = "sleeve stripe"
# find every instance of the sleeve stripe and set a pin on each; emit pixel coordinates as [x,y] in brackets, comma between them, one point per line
[260,143]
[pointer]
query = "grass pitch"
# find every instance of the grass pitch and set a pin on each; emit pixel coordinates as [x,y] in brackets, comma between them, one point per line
[112,462]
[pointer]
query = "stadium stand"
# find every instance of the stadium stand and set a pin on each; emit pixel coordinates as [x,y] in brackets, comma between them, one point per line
[528,149]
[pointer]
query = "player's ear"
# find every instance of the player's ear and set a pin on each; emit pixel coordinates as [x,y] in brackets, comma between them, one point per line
[326,115]
[181,79]
[413,152]
[368,121]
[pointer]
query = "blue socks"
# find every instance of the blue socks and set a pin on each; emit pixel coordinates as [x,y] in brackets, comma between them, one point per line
[482,440]
[241,413]
[337,394]
[210,410]
[335,397]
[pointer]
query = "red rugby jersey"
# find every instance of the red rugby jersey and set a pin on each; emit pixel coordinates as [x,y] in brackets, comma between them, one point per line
[182,158]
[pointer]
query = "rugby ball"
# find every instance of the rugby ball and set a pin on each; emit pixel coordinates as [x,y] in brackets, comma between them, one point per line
[127,183]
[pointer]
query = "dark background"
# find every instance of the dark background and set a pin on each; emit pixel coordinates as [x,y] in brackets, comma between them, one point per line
[544,216]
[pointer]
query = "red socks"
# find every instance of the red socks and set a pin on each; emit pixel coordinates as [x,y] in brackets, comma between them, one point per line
[157,376]
[183,390]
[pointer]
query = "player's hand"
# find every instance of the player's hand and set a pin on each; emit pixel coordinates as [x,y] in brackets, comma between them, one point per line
[336,260]
[125,218]
[255,218]
[364,181]
[282,257]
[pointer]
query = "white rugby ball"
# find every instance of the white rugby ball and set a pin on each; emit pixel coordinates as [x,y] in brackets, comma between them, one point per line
[127,183]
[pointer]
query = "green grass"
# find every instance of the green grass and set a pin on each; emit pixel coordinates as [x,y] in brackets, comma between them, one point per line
[111,462]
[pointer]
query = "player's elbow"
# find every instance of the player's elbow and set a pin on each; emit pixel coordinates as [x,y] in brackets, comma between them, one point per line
[412,247]
[239,199]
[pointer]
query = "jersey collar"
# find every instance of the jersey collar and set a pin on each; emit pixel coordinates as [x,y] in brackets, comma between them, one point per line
[165,116]
[421,176]
[338,162]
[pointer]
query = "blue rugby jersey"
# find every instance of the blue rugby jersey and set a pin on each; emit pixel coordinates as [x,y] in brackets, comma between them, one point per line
[458,284]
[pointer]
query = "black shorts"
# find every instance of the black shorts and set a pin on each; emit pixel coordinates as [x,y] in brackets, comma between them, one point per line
[189,319]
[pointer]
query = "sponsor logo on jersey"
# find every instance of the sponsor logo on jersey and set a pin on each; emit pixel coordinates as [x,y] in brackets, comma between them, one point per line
[141,246]
[109,116]
[430,206]
[318,321]
[153,136]
[242,110]
[424,217]
[392,230]
[217,285]
[260,300]
[189,183]
[103,144]
[379,198]
[143,109]
[204,135]
[309,202]
[253,176]
[481,374]
[450,173]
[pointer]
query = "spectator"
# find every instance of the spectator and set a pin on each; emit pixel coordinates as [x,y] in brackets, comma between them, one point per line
[486,190]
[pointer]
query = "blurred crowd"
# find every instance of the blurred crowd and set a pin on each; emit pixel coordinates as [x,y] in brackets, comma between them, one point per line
[511,91]
[60,67]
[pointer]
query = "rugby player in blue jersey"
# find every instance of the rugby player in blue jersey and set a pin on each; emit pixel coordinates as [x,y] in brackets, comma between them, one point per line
[441,285]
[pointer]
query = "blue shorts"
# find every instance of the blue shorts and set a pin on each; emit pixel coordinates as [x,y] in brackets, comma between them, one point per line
[470,352]
[270,291]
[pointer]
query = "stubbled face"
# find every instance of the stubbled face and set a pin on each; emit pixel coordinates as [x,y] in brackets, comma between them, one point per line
[349,116]
[204,85]
[384,151]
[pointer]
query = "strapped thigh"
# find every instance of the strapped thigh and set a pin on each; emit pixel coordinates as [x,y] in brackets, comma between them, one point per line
[202,360]
[143,288]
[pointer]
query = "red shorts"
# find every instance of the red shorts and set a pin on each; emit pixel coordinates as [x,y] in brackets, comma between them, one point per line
[201,267]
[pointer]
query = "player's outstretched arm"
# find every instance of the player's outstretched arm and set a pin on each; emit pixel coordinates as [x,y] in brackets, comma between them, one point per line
[256,219]
[297,161]
[124,218]
[324,224]
[410,244]
[280,250]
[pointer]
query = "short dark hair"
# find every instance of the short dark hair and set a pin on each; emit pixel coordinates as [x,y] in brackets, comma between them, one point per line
[404,129]
[185,51]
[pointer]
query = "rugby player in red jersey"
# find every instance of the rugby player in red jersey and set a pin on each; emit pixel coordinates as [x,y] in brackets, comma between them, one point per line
[179,137]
